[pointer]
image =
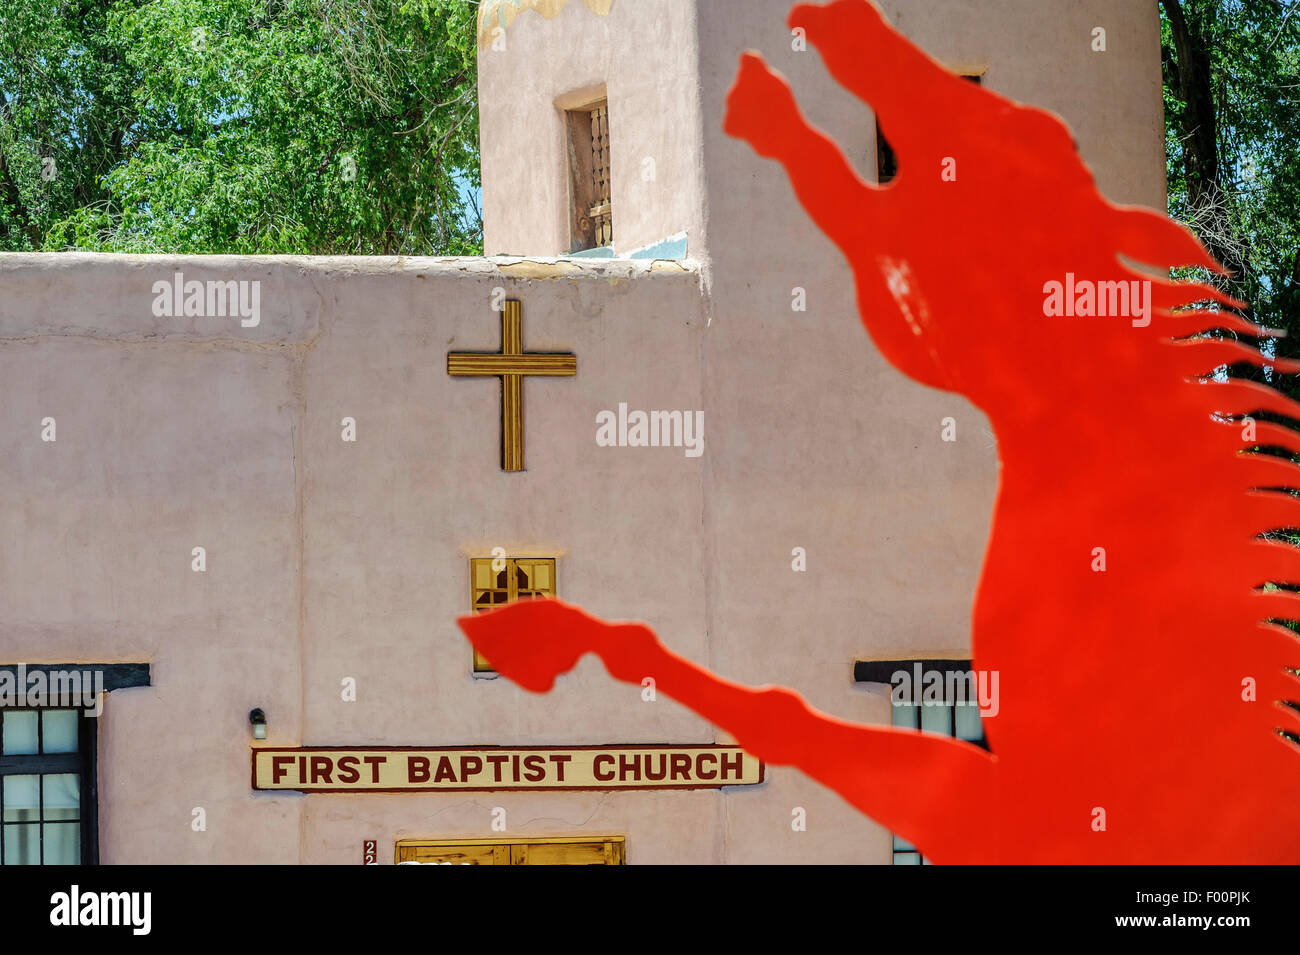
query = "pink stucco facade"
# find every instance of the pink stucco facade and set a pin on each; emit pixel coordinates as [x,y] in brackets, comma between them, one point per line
[329,560]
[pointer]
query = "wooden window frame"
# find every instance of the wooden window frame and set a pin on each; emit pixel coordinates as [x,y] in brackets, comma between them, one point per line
[515,850]
[84,763]
[480,666]
[590,214]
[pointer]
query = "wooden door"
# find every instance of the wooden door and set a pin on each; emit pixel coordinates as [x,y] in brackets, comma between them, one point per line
[453,854]
[560,850]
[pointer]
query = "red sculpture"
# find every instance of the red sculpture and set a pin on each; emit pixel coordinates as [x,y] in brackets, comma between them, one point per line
[1148,694]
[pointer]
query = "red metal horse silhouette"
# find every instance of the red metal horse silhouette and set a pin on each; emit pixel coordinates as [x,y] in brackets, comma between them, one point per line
[1147,695]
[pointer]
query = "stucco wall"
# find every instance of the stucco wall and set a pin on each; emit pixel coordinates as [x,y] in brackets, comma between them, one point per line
[171,434]
[328,559]
[644,54]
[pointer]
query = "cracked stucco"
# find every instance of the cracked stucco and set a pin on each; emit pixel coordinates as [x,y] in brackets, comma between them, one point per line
[63,295]
[499,14]
[327,559]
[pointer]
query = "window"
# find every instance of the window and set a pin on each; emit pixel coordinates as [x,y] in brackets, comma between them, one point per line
[956,713]
[47,787]
[564,850]
[886,161]
[591,223]
[520,578]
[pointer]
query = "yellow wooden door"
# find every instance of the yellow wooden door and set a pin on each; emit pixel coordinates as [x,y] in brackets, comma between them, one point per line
[561,850]
[604,852]
[451,853]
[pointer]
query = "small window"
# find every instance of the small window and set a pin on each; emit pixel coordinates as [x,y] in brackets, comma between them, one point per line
[521,578]
[47,787]
[950,717]
[591,221]
[955,713]
[886,161]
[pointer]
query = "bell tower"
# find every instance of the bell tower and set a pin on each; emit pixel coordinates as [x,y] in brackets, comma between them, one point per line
[590,127]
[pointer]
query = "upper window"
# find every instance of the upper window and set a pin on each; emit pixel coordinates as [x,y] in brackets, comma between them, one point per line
[513,578]
[47,787]
[886,161]
[591,221]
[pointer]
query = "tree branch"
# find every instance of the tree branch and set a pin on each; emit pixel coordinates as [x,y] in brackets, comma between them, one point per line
[1198,120]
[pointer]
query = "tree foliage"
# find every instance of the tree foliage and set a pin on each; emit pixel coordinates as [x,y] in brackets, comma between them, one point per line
[239,126]
[1232,106]
[350,126]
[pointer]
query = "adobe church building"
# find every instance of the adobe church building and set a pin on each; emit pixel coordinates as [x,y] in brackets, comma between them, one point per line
[257,509]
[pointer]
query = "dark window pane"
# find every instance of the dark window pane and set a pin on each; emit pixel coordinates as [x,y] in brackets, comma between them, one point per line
[62,843]
[23,844]
[61,794]
[935,718]
[21,798]
[969,725]
[59,731]
[19,732]
[905,715]
[886,161]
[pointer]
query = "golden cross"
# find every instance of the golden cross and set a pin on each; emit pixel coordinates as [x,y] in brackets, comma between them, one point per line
[510,365]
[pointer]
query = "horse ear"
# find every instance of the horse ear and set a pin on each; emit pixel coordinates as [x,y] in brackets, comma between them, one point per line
[868,56]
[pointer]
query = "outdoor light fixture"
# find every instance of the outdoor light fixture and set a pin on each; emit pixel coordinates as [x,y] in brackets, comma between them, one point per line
[258,719]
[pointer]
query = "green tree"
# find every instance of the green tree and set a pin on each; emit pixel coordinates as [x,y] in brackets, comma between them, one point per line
[1232,107]
[239,126]
[1232,104]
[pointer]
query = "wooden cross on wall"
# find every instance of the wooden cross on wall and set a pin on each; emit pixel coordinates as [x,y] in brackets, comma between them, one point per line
[510,365]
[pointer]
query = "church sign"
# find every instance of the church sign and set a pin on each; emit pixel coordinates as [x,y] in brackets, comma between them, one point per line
[488,768]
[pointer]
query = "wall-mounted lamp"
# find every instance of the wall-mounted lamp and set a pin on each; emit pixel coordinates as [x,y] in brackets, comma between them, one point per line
[258,719]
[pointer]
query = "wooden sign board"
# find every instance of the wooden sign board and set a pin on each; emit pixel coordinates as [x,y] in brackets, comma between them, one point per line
[490,768]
